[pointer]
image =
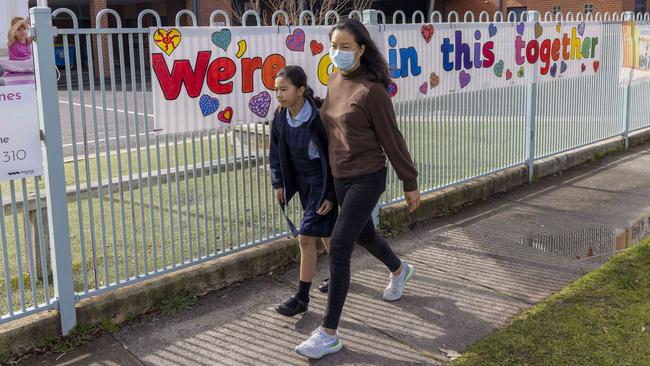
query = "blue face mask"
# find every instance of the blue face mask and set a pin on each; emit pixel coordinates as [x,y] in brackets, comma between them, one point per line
[344,60]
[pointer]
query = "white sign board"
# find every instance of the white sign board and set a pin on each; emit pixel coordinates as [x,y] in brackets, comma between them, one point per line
[20,147]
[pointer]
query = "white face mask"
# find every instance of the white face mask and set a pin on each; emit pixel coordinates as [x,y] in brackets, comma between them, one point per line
[344,60]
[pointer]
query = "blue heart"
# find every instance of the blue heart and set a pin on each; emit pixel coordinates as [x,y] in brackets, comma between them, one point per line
[208,105]
[222,39]
[563,67]
[492,30]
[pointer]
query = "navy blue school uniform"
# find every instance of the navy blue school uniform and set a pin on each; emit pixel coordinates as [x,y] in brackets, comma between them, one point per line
[300,164]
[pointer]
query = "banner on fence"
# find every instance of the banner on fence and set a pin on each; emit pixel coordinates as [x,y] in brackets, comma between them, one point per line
[438,59]
[20,145]
[636,52]
[209,77]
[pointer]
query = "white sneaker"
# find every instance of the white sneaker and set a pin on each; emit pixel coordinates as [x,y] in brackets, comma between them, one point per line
[319,344]
[395,288]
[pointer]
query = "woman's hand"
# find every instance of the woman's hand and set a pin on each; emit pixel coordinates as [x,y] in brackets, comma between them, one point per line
[279,195]
[325,208]
[412,199]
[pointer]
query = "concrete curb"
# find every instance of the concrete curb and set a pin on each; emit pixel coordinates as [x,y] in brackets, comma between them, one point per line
[118,305]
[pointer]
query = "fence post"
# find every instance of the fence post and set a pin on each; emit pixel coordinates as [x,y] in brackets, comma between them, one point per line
[531,112]
[50,124]
[371,18]
[627,16]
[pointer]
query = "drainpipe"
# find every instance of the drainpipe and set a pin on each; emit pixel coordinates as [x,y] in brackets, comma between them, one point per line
[500,5]
[196,11]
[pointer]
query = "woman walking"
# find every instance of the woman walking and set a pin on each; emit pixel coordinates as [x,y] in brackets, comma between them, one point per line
[362,130]
[299,164]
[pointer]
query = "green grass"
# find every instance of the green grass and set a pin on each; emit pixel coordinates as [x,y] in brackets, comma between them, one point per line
[601,319]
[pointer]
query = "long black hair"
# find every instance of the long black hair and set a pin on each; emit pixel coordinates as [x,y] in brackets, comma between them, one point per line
[297,77]
[372,60]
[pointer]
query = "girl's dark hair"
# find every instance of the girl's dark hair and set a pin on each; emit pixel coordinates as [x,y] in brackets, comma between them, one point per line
[372,60]
[297,77]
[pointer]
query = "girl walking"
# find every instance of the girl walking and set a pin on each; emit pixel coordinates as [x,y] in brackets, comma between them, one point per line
[299,164]
[362,131]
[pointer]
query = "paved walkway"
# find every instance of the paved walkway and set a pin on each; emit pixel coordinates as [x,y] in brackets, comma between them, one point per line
[475,270]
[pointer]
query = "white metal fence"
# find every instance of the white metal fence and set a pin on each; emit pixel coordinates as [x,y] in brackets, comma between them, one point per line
[124,204]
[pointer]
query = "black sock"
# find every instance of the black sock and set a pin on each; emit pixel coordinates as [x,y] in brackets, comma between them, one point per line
[303,291]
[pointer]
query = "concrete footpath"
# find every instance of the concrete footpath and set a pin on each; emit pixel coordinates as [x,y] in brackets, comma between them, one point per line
[475,270]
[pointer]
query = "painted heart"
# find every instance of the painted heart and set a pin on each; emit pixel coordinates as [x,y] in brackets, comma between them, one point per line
[392,89]
[596,65]
[427,32]
[167,39]
[563,67]
[222,39]
[434,80]
[584,67]
[520,73]
[520,28]
[498,68]
[316,47]
[558,27]
[260,104]
[492,30]
[208,105]
[424,88]
[296,41]
[538,30]
[464,78]
[581,28]
[554,70]
[225,116]
[508,74]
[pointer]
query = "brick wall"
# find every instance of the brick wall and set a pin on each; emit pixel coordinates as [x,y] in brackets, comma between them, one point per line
[476,6]
[208,6]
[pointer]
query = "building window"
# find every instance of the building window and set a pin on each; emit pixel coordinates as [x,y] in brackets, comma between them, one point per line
[557,9]
[589,8]
[639,6]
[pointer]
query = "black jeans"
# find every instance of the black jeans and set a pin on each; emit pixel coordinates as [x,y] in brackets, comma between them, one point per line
[357,197]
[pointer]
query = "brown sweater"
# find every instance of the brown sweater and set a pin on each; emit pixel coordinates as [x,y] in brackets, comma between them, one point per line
[360,121]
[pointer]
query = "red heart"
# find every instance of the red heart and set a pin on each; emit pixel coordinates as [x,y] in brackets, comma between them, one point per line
[225,116]
[596,65]
[508,74]
[316,47]
[427,32]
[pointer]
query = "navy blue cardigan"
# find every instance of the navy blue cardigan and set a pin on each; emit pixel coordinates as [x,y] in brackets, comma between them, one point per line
[282,174]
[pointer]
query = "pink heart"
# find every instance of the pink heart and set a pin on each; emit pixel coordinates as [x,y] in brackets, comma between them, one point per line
[424,88]
[296,41]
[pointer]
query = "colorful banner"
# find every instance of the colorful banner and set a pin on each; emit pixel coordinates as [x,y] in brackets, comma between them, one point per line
[636,52]
[210,77]
[438,59]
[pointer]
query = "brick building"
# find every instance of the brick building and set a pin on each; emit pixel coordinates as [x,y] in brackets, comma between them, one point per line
[543,6]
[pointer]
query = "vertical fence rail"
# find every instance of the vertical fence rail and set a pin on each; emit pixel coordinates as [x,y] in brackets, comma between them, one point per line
[131,204]
[50,124]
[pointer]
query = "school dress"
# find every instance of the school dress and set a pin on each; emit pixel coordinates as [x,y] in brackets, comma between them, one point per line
[299,165]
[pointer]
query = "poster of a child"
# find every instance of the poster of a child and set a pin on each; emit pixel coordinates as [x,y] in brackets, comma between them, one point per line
[19,67]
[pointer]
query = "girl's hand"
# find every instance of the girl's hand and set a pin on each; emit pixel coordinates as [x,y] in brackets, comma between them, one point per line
[412,199]
[279,195]
[325,208]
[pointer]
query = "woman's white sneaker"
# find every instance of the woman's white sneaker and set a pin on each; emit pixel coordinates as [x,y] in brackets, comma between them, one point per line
[320,344]
[395,288]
